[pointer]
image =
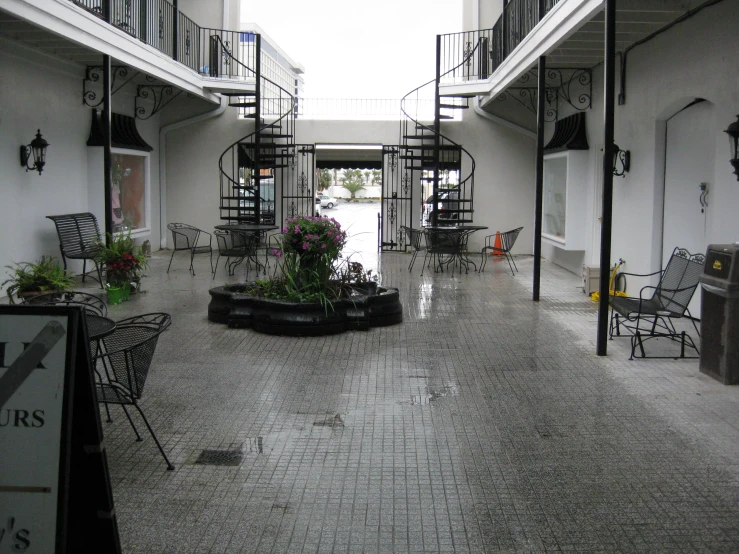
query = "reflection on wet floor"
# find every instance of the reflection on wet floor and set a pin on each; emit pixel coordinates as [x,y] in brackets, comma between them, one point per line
[433,394]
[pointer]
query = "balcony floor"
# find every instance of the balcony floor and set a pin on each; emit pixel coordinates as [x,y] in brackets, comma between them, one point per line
[484,422]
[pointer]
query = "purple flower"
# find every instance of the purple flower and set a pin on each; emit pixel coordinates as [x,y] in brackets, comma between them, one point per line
[297,228]
[323,247]
[306,246]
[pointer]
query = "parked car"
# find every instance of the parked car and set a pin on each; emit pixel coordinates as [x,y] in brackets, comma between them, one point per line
[447,201]
[327,201]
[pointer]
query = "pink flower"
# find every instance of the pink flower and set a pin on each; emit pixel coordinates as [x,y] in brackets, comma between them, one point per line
[323,247]
[306,246]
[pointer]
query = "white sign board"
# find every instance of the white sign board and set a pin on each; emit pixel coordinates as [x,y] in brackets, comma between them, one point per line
[31,428]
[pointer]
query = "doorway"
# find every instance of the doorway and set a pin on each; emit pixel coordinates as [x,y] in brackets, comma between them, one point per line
[689,163]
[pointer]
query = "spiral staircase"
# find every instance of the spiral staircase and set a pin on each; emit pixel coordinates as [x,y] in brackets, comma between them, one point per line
[447,169]
[247,167]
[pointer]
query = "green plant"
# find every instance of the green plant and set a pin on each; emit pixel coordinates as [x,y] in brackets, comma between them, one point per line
[45,275]
[124,261]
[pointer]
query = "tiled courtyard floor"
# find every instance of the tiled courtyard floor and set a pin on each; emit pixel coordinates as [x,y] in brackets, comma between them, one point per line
[483,423]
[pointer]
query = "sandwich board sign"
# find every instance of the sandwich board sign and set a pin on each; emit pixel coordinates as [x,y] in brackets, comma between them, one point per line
[55,493]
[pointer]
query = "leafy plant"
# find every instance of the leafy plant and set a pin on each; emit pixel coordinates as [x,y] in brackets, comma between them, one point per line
[124,261]
[353,181]
[45,275]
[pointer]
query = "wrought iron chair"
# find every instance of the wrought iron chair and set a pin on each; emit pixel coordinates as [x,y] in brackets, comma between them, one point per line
[650,316]
[79,239]
[238,245]
[507,240]
[186,237]
[127,357]
[417,242]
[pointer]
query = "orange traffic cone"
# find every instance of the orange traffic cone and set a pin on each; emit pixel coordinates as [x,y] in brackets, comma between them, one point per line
[497,246]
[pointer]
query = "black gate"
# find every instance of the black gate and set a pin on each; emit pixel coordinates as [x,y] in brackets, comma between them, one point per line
[298,181]
[396,200]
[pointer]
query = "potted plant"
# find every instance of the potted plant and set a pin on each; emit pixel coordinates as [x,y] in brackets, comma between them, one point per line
[43,276]
[124,264]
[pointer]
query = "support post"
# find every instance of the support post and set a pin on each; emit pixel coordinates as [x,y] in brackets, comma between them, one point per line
[257,125]
[503,32]
[541,99]
[107,155]
[175,28]
[605,233]
[437,133]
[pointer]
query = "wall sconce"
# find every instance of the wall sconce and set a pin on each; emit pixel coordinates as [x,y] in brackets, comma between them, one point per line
[733,132]
[37,148]
[622,158]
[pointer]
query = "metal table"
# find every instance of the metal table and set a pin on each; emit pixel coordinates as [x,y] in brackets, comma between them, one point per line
[448,244]
[255,228]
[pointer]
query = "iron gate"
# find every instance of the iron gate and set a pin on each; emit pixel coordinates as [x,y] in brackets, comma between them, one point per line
[298,181]
[396,200]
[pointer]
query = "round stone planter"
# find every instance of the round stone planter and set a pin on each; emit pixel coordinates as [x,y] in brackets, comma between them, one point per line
[370,306]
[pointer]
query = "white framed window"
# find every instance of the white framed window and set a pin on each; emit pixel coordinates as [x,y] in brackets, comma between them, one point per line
[131,192]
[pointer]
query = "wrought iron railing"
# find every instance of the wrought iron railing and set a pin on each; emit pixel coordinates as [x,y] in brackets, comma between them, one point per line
[475,55]
[212,52]
[360,109]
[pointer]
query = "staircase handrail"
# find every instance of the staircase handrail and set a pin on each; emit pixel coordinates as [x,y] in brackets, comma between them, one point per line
[257,124]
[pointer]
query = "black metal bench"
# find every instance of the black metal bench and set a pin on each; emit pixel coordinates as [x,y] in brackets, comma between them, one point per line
[648,317]
[79,239]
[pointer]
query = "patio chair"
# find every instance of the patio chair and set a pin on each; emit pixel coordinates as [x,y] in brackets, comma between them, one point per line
[507,240]
[416,241]
[650,316]
[239,245]
[443,246]
[89,302]
[79,239]
[186,237]
[127,354]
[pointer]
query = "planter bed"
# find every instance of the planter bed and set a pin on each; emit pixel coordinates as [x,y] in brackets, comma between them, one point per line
[364,309]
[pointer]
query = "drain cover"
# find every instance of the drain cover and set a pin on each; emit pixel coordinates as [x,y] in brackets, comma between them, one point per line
[220,457]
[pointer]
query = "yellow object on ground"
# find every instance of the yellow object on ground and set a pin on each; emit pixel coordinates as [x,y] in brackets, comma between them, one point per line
[595,297]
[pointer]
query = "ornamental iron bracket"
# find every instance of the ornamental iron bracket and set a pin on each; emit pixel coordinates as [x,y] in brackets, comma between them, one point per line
[94,74]
[158,96]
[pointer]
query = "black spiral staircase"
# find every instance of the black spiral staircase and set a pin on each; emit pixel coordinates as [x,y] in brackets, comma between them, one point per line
[247,167]
[447,168]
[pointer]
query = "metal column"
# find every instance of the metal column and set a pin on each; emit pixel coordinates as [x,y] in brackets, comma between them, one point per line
[541,99]
[107,145]
[605,234]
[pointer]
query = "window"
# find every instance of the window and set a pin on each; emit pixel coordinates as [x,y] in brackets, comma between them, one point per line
[130,192]
[555,197]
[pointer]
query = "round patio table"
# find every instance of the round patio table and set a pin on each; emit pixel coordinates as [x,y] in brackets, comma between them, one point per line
[449,244]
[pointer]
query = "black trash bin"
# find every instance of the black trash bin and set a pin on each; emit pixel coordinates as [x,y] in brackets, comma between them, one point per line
[719,354]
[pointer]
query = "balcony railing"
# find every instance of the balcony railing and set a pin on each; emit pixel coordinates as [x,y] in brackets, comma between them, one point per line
[475,55]
[211,52]
[361,109]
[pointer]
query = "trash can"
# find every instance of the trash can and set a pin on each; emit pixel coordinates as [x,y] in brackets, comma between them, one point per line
[719,355]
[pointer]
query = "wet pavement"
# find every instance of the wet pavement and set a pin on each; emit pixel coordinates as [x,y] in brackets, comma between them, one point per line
[483,423]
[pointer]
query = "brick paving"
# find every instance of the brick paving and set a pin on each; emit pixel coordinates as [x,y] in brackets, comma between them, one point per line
[483,423]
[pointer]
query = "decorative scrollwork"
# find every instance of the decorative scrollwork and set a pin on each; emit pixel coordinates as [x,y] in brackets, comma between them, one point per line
[291,158]
[302,182]
[292,210]
[575,86]
[226,54]
[406,183]
[400,235]
[393,160]
[94,74]
[468,53]
[528,98]
[392,213]
[161,24]
[125,22]
[157,95]
[187,42]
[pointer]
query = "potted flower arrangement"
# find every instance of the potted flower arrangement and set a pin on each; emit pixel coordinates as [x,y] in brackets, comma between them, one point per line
[124,266]
[40,277]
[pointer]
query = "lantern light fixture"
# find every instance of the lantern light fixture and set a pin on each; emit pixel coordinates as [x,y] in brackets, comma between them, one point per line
[37,149]
[621,158]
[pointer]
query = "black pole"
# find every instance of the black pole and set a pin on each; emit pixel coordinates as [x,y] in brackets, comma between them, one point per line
[107,156]
[605,233]
[106,10]
[175,28]
[257,127]
[541,98]
[503,33]
[437,133]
